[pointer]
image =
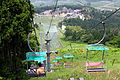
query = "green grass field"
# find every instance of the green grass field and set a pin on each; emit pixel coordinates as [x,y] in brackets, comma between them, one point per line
[112,60]
[79,69]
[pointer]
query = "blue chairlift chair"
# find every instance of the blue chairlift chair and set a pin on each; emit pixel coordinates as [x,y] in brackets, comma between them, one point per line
[36,57]
[58,61]
[69,64]
[93,66]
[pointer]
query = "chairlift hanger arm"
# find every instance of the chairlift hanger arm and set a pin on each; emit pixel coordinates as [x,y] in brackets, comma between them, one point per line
[103,34]
[32,23]
[28,40]
[103,22]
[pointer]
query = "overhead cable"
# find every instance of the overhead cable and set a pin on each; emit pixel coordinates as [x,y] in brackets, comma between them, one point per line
[55,6]
[102,21]
[28,40]
[107,17]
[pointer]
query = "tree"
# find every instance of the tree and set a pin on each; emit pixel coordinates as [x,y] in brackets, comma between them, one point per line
[15,24]
[115,41]
[93,32]
[74,32]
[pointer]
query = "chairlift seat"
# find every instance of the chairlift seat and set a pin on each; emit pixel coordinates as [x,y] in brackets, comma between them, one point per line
[58,64]
[37,75]
[95,69]
[94,64]
[68,65]
[33,73]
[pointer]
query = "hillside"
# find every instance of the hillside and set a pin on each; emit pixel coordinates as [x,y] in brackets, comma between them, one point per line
[79,69]
[98,4]
[97,0]
[39,3]
[54,42]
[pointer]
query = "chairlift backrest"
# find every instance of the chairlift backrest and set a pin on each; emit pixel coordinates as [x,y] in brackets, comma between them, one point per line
[97,48]
[58,57]
[68,56]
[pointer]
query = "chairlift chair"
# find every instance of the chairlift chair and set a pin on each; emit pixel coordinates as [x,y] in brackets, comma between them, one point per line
[68,64]
[36,57]
[95,66]
[57,61]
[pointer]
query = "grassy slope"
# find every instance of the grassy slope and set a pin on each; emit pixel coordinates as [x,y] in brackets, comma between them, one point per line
[46,20]
[79,51]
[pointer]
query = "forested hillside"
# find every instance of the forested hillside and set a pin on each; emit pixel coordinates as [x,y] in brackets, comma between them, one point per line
[91,32]
[89,25]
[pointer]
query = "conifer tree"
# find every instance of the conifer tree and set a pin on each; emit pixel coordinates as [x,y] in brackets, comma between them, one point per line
[15,24]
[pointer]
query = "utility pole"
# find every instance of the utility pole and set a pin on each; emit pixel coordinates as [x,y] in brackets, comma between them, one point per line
[48,54]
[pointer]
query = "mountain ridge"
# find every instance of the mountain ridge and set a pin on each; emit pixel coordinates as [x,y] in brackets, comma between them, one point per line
[98,4]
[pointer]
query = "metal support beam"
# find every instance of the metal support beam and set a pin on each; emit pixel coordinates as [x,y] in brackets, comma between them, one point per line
[86,55]
[103,56]
[48,54]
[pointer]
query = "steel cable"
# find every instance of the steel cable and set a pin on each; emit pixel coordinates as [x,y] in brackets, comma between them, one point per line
[52,17]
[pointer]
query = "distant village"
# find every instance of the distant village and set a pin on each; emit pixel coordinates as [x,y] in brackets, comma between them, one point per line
[66,13]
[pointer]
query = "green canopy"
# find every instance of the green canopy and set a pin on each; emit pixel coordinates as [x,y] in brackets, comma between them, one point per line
[97,48]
